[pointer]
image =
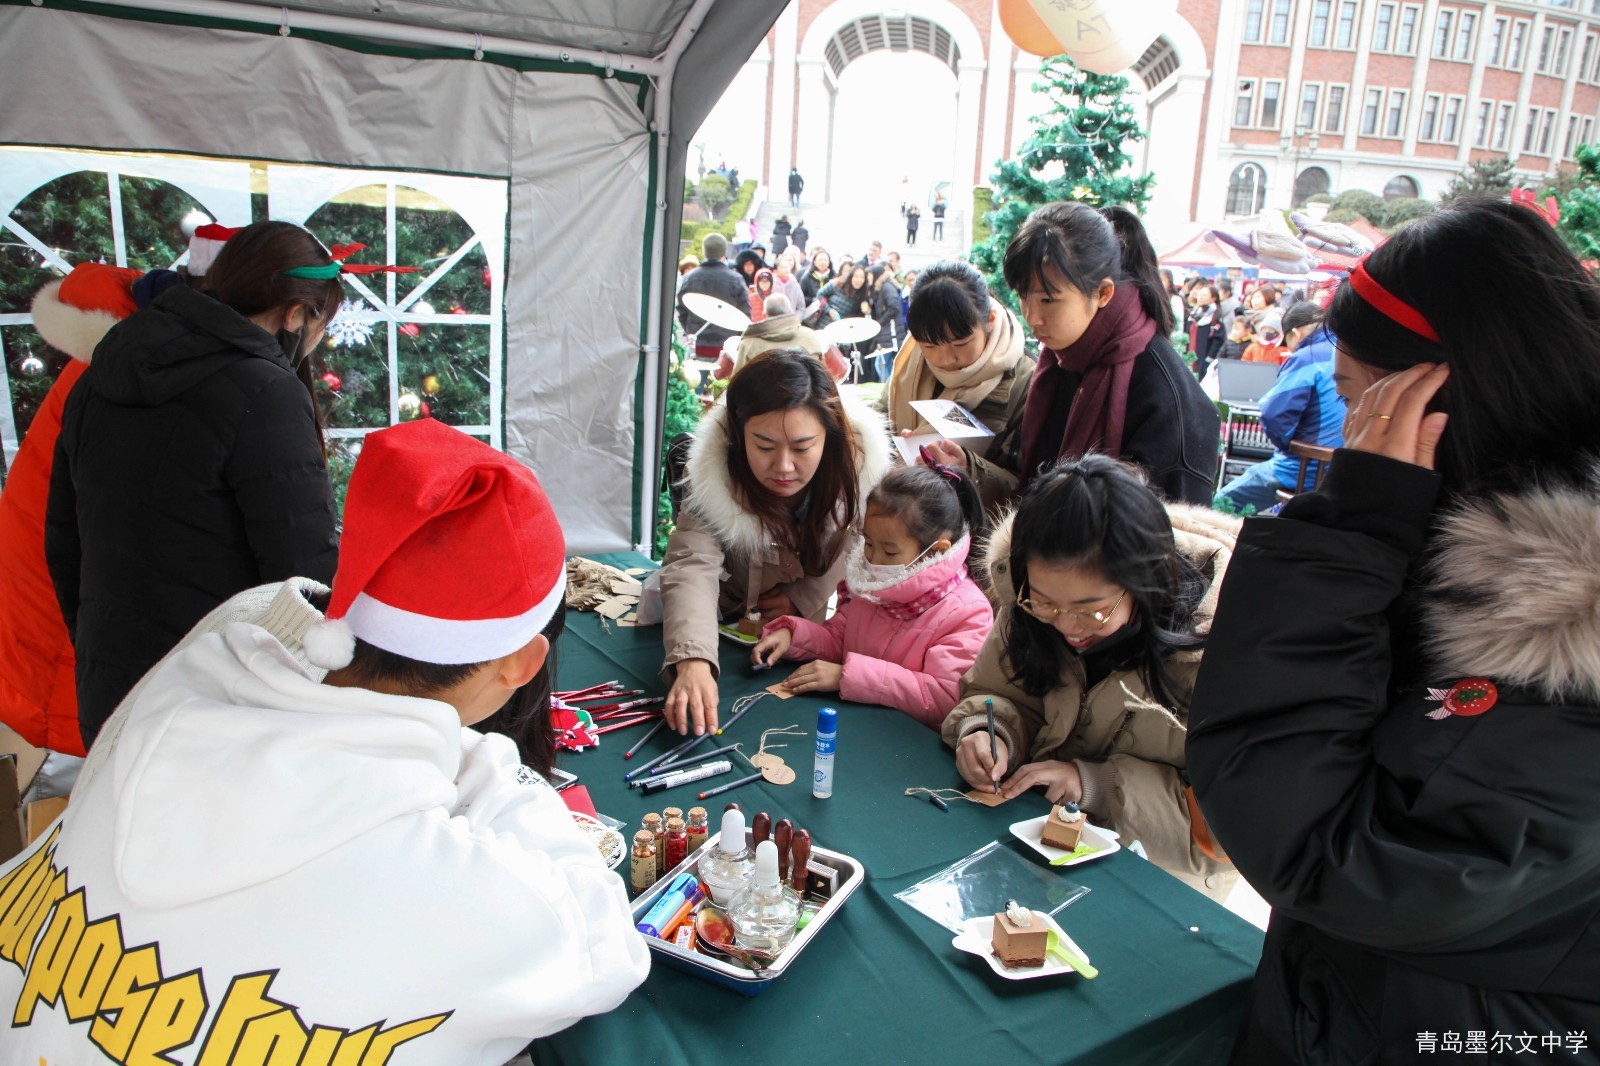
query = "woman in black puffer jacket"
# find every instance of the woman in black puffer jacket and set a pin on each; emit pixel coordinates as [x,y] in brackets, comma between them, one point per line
[190,464]
[1395,729]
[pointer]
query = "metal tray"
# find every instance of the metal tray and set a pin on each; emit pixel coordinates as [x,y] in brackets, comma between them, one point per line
[726,974]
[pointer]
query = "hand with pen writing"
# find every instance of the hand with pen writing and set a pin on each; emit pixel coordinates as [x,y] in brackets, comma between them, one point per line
[977,767]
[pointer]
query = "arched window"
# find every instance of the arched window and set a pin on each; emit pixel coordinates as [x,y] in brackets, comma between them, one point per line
[95,214]
[1401,187]
[1247,190]
[1311,182]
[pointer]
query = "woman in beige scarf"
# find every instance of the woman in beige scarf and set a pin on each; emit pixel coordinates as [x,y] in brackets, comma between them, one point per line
[966,347]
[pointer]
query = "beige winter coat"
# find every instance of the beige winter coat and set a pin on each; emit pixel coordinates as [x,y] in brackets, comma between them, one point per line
[718,545]
[1128,749]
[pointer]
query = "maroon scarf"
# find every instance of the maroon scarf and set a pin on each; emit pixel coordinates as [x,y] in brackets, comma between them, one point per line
[1104,355]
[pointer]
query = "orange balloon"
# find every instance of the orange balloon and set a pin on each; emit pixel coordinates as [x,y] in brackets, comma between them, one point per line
[1027,30]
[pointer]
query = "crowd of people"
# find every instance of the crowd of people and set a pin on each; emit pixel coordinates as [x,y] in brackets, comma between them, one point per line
[818,289]
[1373,705]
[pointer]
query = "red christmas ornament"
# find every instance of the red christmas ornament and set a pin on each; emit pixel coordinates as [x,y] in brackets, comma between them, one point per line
[423,410]
[331,380]
[457,309]
[410,329]
[487,277]
[1465,698]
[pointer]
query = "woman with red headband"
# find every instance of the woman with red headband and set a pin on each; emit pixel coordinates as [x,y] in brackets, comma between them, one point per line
[1396,724]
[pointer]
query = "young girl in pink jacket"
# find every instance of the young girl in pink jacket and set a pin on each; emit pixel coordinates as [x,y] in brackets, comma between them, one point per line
[911,620]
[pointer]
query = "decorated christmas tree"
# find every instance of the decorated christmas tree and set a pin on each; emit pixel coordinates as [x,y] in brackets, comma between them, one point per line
[72,216]
[1075,152]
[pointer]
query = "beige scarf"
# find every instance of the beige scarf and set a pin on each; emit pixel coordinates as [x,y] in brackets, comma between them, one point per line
[915,379]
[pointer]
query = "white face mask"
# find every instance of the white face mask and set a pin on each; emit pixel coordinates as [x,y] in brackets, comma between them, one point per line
[865,578]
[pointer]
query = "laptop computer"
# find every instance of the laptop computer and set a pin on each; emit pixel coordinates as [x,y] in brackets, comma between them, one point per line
[1239,382]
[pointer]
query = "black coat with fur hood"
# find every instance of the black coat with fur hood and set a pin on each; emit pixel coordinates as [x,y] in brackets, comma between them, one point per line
[188,469]
[1431,852]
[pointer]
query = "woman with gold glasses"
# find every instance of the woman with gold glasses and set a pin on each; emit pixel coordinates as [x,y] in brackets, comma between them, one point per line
[1105,597]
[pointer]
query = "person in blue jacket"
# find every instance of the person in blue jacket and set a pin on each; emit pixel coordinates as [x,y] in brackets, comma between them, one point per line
[1303,404]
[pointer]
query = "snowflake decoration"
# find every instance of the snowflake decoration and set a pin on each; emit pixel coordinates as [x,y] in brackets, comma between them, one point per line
[347,330]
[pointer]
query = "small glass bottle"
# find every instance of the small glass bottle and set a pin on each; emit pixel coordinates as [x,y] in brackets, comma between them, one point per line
[728,868]
[652,824]
[677,843]
[643,866]
[765,914]
[697,828]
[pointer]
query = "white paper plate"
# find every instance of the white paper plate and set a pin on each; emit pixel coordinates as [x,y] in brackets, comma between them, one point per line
[978,938]
[733,634]
[1031,832]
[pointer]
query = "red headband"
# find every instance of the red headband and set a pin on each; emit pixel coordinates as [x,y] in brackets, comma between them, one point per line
[1390,305]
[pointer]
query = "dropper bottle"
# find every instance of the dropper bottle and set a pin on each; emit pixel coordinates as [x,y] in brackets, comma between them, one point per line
[765,914]
[729,867]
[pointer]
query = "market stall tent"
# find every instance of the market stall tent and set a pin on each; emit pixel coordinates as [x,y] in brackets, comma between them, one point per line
[1199,253]
[557,131]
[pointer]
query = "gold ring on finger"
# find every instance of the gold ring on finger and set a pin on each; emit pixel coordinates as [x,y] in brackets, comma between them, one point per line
[1386,418]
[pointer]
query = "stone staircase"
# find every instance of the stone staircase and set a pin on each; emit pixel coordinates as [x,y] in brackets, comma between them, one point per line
[845,228]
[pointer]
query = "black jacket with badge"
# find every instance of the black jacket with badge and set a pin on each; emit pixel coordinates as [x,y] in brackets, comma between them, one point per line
[1430,846]
[188,469]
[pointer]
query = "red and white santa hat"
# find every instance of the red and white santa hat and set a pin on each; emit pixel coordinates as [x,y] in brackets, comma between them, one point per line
[205,244]
[73,313]
[451,552]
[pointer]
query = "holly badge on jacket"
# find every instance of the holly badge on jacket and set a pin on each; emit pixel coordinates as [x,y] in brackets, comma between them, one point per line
[1466,698]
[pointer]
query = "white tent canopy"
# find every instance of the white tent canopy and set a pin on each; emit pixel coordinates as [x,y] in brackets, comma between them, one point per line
[582,108]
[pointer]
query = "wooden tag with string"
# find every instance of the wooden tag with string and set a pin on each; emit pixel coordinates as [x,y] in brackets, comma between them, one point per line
[772,766]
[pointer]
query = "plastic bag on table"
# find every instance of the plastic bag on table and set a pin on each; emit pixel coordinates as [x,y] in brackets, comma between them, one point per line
[980,884]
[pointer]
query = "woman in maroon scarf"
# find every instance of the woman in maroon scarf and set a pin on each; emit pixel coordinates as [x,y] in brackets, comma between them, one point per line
[1108,379]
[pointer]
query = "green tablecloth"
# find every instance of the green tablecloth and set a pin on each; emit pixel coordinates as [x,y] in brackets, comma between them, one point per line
[881,983]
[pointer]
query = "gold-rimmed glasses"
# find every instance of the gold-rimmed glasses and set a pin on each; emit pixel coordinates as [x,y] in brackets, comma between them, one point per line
[1094,620]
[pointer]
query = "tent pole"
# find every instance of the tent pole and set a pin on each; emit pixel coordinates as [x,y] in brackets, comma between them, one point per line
[289,20]
[655,342]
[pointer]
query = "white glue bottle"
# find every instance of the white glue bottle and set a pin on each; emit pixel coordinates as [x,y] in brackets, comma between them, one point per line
[827,738]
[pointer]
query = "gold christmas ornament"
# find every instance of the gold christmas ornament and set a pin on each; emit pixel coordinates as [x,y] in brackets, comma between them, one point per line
[410,405]
[430,384]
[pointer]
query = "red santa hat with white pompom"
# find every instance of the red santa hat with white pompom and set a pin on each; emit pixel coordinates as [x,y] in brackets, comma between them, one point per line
[451,552]
[204,245]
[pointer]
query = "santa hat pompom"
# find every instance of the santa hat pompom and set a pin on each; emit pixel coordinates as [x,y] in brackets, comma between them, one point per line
[329,644]
[74,313]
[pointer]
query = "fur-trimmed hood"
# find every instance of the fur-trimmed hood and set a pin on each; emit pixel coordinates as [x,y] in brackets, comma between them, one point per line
[1206,538]
[711,490]
[1513,591]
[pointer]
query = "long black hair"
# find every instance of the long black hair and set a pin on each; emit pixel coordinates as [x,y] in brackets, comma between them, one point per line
[248,275]
[1098,514]
[1521,402]
[1085,247]
[949,303]
[930,503]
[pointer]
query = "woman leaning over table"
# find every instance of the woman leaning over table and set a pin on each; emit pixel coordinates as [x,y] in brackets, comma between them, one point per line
[964,346]
[1105,600]
[1398,720]
[777,478]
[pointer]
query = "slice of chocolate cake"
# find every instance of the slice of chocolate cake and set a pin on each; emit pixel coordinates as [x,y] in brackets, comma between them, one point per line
[1020,937]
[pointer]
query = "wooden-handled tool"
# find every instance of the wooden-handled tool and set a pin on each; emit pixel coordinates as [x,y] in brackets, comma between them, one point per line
[800,849]
[783,836]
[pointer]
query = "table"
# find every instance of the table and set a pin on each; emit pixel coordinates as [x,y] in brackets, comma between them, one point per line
[881,983]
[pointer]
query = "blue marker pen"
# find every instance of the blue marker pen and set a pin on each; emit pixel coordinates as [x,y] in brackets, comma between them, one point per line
[683,893]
